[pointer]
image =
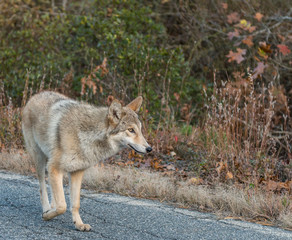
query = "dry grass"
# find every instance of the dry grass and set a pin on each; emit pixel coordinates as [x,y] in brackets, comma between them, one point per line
[241,132]
[286,219]
[225,200]
[16,161]
[130,181]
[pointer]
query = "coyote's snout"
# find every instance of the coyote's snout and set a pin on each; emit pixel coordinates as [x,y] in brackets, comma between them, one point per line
[68,136]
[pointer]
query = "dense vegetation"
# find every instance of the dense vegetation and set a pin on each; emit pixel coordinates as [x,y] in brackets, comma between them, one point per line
[215,76]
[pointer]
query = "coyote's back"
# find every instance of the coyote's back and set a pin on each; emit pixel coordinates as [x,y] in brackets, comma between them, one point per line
[69,136]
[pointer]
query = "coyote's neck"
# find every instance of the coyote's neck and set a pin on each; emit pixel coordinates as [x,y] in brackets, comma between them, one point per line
[96,147]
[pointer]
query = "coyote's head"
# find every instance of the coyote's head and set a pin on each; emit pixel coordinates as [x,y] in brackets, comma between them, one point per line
[125,127]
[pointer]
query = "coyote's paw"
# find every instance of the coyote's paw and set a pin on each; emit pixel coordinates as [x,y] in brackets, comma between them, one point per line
[45,216]
[83,227]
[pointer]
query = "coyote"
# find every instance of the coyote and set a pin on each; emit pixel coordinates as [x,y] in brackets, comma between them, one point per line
[68,136]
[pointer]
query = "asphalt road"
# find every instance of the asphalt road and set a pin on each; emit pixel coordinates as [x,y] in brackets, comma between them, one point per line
[114,217]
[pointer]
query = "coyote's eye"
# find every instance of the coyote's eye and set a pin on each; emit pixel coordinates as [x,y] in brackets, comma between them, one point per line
[131,130]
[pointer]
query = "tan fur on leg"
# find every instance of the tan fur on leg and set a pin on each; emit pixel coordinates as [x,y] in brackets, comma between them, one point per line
[56,182]
[76,180]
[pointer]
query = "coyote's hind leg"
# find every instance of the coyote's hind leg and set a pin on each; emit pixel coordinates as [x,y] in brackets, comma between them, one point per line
[40,160]
[41,173]
[56,182]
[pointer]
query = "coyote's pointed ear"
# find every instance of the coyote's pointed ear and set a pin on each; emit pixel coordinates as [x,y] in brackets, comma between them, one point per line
[135,104]
[115,112]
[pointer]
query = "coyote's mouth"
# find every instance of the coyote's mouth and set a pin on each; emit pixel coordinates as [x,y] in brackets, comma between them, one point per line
[135,149]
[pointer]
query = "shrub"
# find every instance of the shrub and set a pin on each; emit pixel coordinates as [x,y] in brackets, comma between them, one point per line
[49,43]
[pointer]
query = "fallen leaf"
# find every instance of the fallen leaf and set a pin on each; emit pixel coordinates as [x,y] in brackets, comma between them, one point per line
[276,186]
[248,41]
[265,47]
[233,17]
[229,175]
[264,50]
[262,53]
[231,35]
[224,5]
[236,56]
[283,49]
[156,165]
[245,25]
[129,162]
[259,70]
[220,167]
[271,185]
[195,181]
[258,16]
[252,29]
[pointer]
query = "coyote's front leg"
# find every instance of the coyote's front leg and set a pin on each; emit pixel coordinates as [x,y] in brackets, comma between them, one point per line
[56,182]
[76,180]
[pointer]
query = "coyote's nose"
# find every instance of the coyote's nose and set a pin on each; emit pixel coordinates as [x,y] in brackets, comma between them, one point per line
[149,149]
